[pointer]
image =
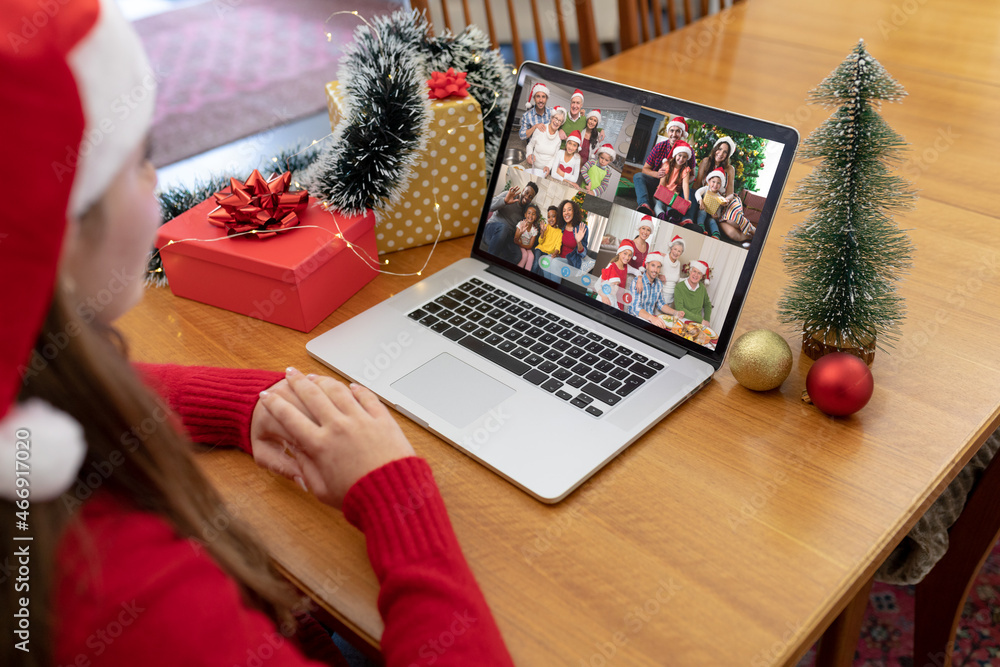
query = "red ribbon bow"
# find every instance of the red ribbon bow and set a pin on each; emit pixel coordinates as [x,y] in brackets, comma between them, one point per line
[448,84]
[264,206]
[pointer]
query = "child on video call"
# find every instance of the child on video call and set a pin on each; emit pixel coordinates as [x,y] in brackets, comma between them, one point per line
[597,171]
[75,240]
[525,234]
[565,164]
[727,210]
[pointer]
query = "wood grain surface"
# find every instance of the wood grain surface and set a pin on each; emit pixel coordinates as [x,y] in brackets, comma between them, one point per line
[735,530]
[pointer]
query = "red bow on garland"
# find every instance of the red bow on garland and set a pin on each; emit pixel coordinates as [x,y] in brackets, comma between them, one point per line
[264,206]
[447,84]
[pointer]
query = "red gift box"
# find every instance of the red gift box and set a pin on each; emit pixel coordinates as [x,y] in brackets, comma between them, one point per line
[294,278]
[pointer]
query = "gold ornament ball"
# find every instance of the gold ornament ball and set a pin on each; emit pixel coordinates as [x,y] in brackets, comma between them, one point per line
[760,360]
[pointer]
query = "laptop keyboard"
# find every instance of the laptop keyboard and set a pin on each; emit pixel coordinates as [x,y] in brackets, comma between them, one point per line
[575,364]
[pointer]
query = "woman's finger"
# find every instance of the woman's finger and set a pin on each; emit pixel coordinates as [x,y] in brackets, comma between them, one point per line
[316,402]
[368,400]
[338,392]
[300,428]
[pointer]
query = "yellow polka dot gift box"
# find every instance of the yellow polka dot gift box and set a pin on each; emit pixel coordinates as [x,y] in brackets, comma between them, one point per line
[451,171]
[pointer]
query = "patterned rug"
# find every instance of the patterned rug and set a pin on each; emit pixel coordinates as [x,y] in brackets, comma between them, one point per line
[227,69]
[887,633]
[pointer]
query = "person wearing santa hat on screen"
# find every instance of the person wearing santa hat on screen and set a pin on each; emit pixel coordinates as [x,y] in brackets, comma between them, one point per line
[596,173]
[576,119]
[537,114]
[592,135]
[615,274]
[654,168]
[117,511]
[647,299]
[691,296]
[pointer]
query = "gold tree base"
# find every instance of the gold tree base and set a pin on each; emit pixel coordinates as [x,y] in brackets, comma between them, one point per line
[816,345]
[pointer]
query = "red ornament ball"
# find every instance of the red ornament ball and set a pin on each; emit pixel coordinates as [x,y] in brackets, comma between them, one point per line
[840,384]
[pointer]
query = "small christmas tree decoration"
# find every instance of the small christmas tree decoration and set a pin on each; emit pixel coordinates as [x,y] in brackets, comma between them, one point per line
[846,257]
[839,384]
[760,360]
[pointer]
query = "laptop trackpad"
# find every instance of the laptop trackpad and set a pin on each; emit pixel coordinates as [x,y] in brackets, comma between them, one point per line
[453,390]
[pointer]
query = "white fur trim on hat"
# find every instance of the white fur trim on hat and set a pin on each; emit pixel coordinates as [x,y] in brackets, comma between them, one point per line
[52,454]
[725,140]
[595,113]
[117,86]
[677,239]
[558,109]
[608,149]
[625,245]
[700,266]
[655,256]
[576,93]
[646,221]
[716,173]
[537,88]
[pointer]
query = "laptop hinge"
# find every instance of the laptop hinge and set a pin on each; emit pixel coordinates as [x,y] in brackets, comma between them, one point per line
[590,313]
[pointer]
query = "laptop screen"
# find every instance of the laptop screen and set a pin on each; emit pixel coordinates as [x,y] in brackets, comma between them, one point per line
[648,209]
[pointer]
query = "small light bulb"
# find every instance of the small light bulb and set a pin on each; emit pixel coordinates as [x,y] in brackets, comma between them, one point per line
[451,130]
[274,159]
[420,273]
[329,37]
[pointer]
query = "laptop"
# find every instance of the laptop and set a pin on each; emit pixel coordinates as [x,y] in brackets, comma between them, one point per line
[545,374]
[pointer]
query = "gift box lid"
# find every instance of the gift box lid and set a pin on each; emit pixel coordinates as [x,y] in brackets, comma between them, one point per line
[288,256]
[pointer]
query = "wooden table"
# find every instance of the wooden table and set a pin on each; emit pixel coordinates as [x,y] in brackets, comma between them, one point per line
[737,529]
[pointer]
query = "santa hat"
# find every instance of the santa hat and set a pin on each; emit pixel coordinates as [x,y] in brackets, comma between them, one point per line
[655,256]
[576,94]
[537,88]
[677,239]
[681,147]
[725,140]
[625,245]
[609,150]
[678,121]
[701,267]
[559,109]
[574,136]
[595,113]
[60,88]
[646,221]
[716,173]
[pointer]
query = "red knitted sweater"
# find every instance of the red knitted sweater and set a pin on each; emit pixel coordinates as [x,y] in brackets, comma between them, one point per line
[130,592]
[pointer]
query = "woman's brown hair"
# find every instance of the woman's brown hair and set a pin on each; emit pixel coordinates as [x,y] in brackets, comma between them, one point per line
[88,376]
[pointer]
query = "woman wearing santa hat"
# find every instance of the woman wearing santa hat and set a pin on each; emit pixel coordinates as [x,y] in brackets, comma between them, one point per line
[119,516]
[591,134]
[544,144]
[720,158]
[691,295]
[671,271]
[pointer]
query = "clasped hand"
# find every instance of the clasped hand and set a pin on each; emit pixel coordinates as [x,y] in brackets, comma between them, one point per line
[323,434]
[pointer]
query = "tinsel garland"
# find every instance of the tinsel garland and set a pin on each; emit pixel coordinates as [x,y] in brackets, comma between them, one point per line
[386,111]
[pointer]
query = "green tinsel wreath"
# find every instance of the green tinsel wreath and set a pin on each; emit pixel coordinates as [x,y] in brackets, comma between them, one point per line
[369,161]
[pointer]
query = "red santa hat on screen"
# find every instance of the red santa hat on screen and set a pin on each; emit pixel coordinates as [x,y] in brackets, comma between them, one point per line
[595,113]
[576,93]
[607,149]
[678,121]
[625,245]
[558,109]
[537,88]
[701,267]
[678,239]
[681,147]
[716,173]
[646,221]
[655,256]
[70,140]
[574,136]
